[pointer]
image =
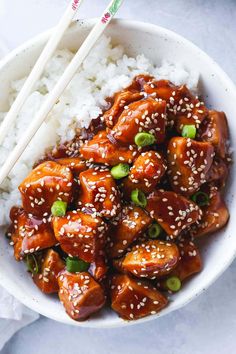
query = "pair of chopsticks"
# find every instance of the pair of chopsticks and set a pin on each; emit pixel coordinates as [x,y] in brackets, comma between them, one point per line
[61,85]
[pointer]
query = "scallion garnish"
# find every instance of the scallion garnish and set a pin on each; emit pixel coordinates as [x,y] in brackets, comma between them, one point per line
[200,198]
[74,265]
[139,198]
[144,139]
[154,230]
[189,131]
[59,208]
[173,283]
[120,171]
[32,264]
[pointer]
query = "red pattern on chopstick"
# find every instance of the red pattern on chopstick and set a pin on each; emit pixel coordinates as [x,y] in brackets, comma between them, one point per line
[75,4]
[106,17]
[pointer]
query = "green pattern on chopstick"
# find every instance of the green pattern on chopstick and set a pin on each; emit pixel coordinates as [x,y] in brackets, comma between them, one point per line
[111,10]
[115,6]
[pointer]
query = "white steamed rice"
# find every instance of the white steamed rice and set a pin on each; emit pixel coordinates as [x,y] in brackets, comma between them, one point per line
[105,71]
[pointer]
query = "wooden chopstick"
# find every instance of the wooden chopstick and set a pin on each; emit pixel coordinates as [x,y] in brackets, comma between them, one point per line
[39,67]
[63,82]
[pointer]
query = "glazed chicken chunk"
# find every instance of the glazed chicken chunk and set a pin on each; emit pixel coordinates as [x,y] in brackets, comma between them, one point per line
[190,260]
[80,235]
[190,263]
[151,259]
[80,294]
[145,173]
[188,164]
[45,184]
[101,149]
[215,214]
[51,266]
[214,130]
[218,172]
[99,192]
[29,234]
[98,268]
[148,116]
[182,107]
[75,164]
[172,211]
[133,299]
[121,100]
[126,228]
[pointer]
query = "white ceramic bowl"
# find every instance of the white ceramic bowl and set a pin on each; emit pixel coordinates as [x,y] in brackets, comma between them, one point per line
[219,92]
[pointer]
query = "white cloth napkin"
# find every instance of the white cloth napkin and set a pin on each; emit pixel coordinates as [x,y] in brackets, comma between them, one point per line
[13,315]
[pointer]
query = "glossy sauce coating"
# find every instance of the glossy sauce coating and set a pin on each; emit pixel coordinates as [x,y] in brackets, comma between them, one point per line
[151,259]
[101,150]
[125,248]
[190,263]
[215,214]
[188,163]
[215,131]
[125,229]
[80,294]
[133,299]
[51,265]
[121,100]
[182,107]
[80,235]
[45,184]
[147,116]
[98,191]
[146,172]
[29,234]
[172,211]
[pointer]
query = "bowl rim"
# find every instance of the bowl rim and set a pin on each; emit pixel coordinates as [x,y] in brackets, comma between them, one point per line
[144,26]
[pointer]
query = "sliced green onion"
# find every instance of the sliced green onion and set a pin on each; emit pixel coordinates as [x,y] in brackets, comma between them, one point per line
[32,264]
[139,198]
[200,198]
[74,265]
[59,208]
[120,171]
[189,131]
[144,139]
[154,230]
[173,283]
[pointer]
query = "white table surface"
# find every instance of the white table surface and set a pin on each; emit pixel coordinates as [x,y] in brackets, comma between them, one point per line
[208,324]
